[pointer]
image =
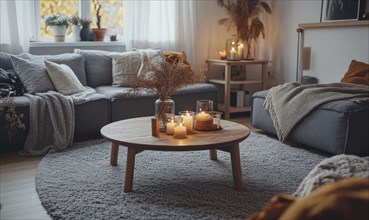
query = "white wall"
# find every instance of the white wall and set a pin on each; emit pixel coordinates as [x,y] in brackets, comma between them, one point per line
[331,49]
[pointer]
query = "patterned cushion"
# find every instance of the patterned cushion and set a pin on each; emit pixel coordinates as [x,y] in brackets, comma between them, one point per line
[32,73]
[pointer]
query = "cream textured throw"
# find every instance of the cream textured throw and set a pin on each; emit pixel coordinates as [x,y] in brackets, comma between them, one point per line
[333,169]
[291,102]
[52,121]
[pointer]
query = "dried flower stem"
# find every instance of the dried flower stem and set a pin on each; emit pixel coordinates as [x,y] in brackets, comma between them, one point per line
[12,119]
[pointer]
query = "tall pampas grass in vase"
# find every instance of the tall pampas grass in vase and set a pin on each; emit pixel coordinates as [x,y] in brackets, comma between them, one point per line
[164,78]
[244,15]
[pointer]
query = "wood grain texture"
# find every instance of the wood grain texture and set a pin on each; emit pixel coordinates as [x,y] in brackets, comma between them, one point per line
[136,132]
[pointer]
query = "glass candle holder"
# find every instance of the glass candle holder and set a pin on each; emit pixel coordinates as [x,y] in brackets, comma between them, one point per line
[204,105]
[216,119]
[187,118]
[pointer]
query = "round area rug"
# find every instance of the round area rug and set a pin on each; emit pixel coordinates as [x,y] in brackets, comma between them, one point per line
[79,183]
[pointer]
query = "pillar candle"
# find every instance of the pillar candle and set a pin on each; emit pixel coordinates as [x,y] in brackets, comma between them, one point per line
[233,54]
[170,127]
[180,131]
[188,122]
[202,116]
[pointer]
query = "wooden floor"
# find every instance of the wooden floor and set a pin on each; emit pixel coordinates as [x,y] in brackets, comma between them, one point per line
[18,197]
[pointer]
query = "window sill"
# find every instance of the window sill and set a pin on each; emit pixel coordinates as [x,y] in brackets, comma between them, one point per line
[76,43]
[51,47]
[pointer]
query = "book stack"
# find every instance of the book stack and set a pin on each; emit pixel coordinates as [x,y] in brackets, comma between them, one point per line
[240,98]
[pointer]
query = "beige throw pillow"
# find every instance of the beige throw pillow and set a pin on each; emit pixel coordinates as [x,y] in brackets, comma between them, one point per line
[125,67]
[63,78]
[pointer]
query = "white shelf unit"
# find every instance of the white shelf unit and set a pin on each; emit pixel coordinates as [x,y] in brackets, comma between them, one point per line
[227,82]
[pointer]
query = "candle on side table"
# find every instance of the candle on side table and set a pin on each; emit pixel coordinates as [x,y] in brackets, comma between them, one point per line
[180,131]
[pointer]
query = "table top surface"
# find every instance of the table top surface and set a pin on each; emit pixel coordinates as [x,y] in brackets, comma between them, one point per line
[136,132]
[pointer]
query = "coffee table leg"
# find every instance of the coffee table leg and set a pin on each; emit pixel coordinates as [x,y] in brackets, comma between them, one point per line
[213,154]
[236,167]
[130,166]
[114,154]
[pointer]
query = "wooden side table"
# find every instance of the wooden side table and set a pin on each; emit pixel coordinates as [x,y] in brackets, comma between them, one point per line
[227,82]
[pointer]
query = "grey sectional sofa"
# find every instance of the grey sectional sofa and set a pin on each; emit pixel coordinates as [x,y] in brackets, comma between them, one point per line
[109,104]
[335,127]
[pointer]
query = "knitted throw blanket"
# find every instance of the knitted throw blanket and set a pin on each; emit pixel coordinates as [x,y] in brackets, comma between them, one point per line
[52,121]
[333,169]
[289,103]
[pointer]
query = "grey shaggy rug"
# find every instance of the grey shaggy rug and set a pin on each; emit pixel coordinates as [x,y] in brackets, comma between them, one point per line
[79,183]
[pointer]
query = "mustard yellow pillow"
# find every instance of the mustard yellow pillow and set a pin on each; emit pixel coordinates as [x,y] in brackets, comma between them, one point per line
[357,73]
[176,57]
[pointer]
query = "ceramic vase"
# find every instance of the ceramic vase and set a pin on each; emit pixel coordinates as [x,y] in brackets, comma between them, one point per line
[84,33]
[76,29]
[59,33]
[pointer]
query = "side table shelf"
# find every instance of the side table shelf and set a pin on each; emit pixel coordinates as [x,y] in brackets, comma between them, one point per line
[227,82]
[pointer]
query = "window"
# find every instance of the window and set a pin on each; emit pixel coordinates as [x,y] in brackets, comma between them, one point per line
[111,12]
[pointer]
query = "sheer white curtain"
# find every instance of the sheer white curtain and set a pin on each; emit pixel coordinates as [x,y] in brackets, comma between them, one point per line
[169,25]
[15,25]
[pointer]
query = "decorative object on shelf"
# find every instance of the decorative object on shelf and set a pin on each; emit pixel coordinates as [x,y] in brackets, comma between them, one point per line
[85,31]
[342,10]
[232,49]
[76,27]
[187,119]
[204,105]
[223,55]
[59,24]
[99,32]
[244,15]
[113,37]
[163,79]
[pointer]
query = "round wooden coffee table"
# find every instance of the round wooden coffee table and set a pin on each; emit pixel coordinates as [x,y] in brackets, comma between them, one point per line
[135,134]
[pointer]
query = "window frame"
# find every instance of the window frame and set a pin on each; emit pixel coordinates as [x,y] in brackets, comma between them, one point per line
[83,12]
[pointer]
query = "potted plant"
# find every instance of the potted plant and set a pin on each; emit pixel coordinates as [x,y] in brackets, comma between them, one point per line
[59,24]
[85,31]
[99,32]
[76,28]
[245,16]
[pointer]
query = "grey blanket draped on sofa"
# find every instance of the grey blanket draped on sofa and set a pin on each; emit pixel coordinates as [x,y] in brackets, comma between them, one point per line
[52,121]
[291,102]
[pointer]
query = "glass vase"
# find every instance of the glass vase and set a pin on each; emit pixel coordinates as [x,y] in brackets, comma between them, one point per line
[165,111]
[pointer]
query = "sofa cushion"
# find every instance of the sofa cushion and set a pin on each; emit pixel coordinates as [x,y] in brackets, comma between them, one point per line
[6,61]
[357,73]
[63,78]
[336,127]
[32,73]
[125,67]
[75,61]
[149,55]
[98,67]
[141,103]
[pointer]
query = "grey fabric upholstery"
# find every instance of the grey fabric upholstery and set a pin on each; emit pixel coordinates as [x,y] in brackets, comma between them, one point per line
[94,69]
[6,61]
[336,127]
[92,116]
[75,61]
[33,74]
[127,106]
[98,67]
